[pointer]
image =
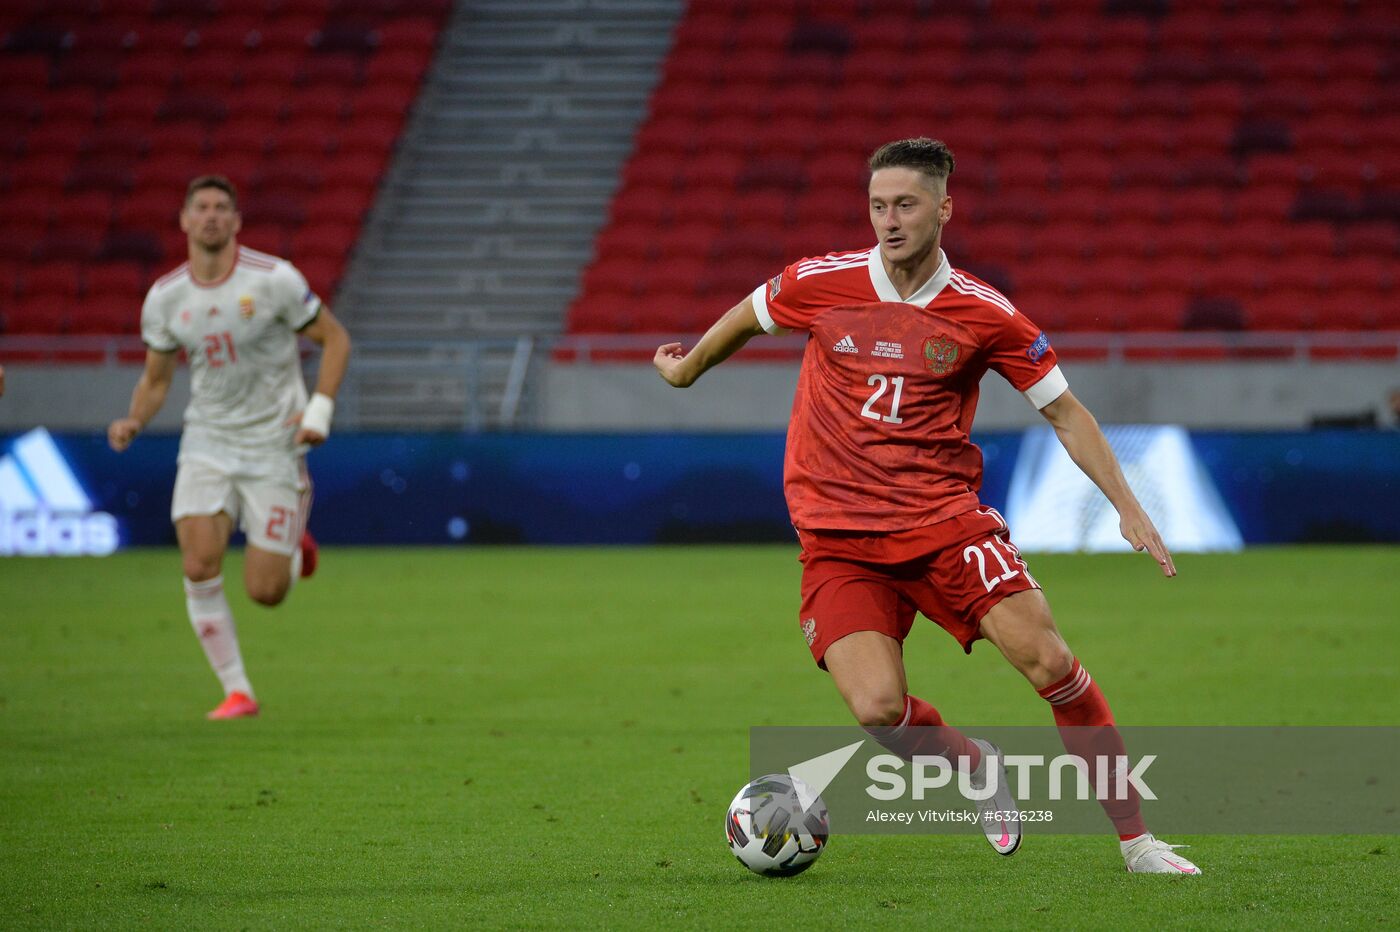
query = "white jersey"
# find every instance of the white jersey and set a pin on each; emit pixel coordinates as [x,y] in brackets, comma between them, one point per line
[240,334]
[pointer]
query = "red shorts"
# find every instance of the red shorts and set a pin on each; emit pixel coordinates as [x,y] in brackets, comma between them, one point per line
[953,572]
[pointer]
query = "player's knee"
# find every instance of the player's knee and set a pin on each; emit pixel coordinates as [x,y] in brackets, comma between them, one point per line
[267,592]
[878,710]
[1053,661]
[199,567]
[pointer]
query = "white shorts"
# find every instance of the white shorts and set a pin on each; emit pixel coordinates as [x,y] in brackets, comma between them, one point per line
[272,514]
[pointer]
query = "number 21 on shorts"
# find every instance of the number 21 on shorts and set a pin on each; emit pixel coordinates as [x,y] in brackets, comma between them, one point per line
[277,521]
[974,552]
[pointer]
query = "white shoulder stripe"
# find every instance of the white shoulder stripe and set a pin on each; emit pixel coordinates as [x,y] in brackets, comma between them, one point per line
[820,269]
[987,292]
[990,295]
[831,258]
[848,254]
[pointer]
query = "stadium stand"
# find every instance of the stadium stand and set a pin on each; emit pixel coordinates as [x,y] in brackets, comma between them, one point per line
[1148,166]
[109,107]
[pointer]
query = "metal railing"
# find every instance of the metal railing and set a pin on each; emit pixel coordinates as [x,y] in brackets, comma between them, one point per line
[488,383]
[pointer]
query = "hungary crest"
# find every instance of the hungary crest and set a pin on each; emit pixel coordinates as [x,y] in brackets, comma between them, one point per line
[941,354]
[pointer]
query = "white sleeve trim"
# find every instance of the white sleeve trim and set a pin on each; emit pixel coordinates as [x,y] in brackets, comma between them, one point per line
[760,308]
[1052,386]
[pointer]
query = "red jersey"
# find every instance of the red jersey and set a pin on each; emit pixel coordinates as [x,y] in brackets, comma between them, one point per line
[878,440]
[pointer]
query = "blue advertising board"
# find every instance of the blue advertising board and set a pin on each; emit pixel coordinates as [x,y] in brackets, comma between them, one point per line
[450,488]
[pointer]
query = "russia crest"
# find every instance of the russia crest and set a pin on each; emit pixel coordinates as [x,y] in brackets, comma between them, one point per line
[941,354]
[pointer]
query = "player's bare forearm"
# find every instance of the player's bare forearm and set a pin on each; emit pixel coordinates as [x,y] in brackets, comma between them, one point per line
[328,333]
[146,399]
[1086,444]
[151,389]
[725,338]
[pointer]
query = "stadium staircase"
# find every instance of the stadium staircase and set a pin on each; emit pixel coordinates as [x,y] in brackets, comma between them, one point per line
[492,204]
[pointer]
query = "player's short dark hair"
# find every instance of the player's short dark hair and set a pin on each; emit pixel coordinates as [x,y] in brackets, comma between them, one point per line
[212,181]
[930,156]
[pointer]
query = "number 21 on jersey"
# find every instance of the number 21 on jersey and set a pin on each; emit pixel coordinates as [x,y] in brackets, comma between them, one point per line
[218,349]
[882,384]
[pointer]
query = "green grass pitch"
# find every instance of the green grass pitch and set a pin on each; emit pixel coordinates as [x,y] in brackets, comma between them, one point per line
[547,738]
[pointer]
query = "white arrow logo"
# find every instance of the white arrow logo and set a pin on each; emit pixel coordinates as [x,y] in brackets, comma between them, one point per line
[813,776]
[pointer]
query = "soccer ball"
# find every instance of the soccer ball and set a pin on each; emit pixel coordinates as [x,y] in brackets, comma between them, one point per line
[770,833]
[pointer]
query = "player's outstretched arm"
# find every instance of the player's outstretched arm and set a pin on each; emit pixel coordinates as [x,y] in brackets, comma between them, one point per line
[1088,447]
[146,399]
[328,333]
[724,339]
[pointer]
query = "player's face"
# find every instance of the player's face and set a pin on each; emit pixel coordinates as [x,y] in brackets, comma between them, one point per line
[210,220]
[908,210]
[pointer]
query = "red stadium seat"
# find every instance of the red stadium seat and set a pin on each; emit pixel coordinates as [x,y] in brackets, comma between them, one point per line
[705,205]
[35,315]
[370,135]
[165,36]
[339,205]
[123,280]
[102,313]
[640,204]
[18,242]
[28,207]
[628,242]
[355,170]
[92,210]
[329,70]
[53,139]
[308,138]
[217,71]
[53,280]
[1193,182]
[230,33]
[290,33]
[402,68]
[693,240]
[251,135]
[1377,239]
[414,33]
[132,245]
[323,275]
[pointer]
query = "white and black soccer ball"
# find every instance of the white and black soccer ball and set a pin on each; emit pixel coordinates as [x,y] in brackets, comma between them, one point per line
[770,832]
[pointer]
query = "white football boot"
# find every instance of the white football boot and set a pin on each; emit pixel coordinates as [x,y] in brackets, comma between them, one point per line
[999,816]
[1148,855]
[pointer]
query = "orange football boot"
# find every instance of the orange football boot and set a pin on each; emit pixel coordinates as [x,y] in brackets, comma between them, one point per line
[235,705]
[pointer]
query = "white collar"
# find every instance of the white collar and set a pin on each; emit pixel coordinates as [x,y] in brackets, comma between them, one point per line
[929,290]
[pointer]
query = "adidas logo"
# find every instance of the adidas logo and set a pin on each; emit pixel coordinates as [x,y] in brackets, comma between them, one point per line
[847,345]
[43,508]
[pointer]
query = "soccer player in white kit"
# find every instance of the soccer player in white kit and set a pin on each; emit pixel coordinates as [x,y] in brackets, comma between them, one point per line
[236,313]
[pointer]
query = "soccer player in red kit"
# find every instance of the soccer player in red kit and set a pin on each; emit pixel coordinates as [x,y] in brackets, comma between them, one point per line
[881,479]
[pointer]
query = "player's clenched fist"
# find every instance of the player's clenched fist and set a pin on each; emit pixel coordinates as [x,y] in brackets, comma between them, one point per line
[121,432]
[668,362]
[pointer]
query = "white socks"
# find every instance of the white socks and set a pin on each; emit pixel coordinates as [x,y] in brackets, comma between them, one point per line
[213,625]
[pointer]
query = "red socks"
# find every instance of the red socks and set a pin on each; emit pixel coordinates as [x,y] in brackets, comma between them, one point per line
[931,739]
[1087,729]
